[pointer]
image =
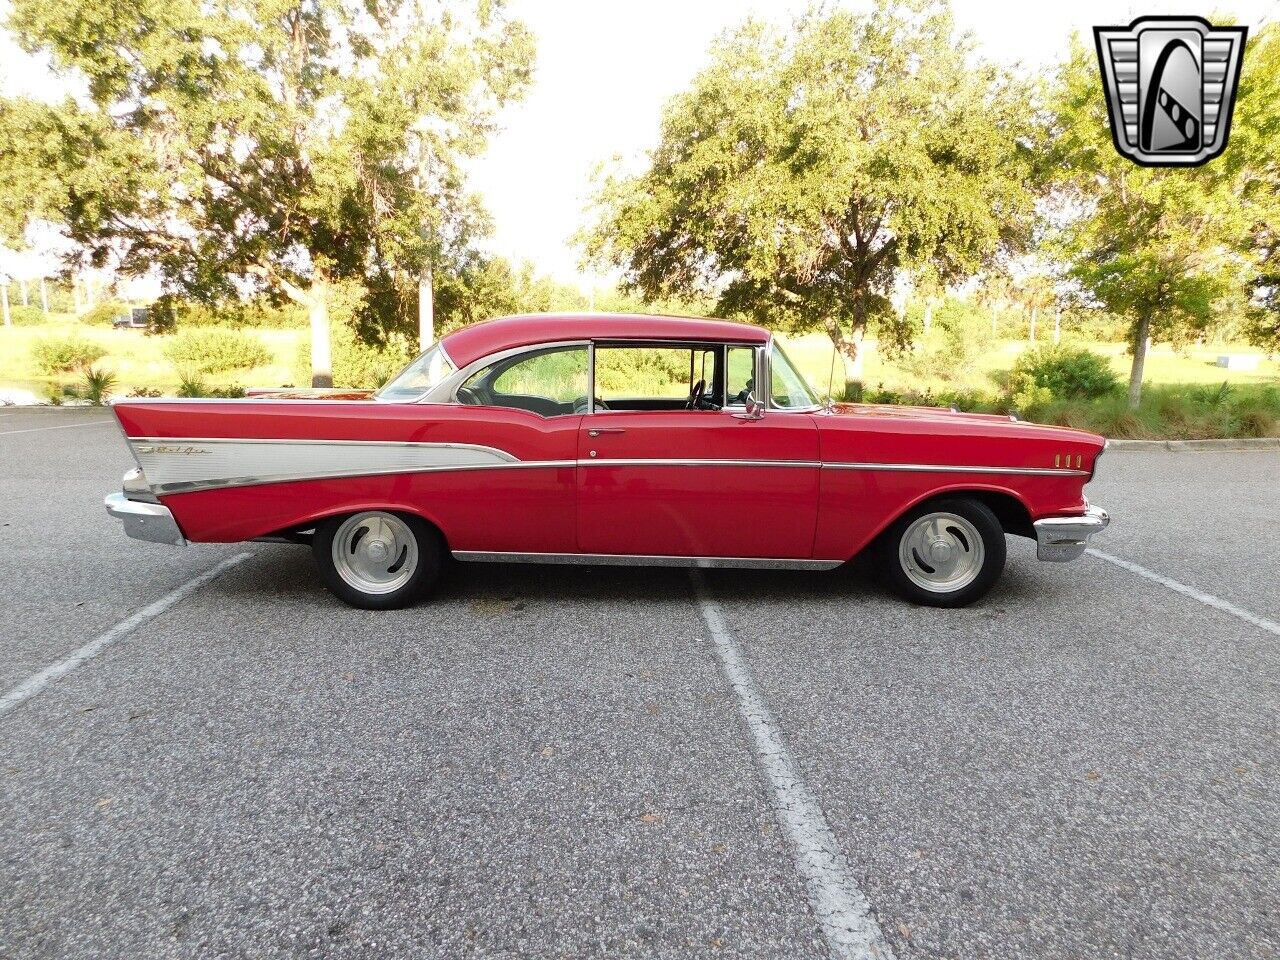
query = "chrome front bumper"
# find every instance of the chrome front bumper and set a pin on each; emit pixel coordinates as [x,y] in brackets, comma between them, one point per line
[1059,539]
[145,521]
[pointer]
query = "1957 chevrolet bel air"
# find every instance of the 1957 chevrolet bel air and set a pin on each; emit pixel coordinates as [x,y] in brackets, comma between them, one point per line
[603,439]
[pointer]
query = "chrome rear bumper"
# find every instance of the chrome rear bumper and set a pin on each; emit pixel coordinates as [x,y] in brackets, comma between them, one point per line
[1059,539]
[145,521]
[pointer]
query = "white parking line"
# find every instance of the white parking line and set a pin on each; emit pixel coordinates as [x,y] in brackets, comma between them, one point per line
[35,683]
[1208,599]
[850,929]
[62,426]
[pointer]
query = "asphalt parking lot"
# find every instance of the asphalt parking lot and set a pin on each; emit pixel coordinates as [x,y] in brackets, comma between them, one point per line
[554,762]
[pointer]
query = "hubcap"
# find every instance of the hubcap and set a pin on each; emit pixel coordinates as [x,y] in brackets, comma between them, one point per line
[375,552]
[941,552]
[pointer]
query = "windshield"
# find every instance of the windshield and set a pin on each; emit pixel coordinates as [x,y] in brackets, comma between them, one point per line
[418,377]
[788,390]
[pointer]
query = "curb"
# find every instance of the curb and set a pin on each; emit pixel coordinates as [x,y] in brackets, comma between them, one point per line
[1243,443]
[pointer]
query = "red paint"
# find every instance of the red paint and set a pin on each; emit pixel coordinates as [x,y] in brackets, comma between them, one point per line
[797,511]
[481,339]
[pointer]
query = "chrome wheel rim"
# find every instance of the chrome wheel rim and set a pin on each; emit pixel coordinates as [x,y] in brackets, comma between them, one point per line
[375,552]
[941,552]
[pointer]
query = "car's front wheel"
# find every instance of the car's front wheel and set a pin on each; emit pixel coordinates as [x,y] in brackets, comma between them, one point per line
[945,553]
[378,560]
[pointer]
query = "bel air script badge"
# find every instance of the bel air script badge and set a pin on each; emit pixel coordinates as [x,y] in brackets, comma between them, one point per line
[1171,86]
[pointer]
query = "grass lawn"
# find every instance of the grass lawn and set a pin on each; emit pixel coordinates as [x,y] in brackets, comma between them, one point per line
[136,359]
[1164,366]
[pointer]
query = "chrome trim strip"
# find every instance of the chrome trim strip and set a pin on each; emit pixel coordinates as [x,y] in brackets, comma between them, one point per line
[948,468]
[703,462]
[145,521]
[645,560]
[166,441]
[1059,539]
[195,486]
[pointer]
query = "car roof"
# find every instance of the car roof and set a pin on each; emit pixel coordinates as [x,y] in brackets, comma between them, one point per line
[482,339]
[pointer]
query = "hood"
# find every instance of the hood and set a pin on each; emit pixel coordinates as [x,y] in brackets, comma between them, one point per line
[307,394]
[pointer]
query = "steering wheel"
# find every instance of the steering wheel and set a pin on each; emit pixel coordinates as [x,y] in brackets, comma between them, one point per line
[695,395]
[580,405]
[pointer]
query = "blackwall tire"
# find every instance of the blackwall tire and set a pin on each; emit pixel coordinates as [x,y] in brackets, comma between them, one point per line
[945,553]
[377,559]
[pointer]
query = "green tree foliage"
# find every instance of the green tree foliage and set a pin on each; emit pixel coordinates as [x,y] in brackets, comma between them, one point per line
[290,145]
[1164,248]
[805,169]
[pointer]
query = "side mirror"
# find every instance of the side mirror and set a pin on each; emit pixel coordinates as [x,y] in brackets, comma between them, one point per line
[755,409]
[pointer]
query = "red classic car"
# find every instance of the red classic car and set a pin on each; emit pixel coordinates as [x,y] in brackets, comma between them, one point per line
[603,439]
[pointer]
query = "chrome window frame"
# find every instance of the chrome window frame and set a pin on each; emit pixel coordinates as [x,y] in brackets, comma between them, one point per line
[420,398]
[722,347]
[768,366]
[446,391]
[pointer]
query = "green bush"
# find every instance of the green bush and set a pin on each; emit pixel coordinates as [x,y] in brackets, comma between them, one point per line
[1062,373]
[60,354]
[216,350]
[959,335]
[105,313]
[21,316]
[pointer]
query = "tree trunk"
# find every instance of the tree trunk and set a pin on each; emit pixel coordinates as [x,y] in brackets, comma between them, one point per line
[321,351]
[1034,310]
[1057,326]
[75,294]
[849,349]
[22,285]
[928,316]
[4,301]
[1140,335]
[44,297]
[426,308]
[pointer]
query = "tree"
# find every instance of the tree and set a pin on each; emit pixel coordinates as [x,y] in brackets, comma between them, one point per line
[1255,156]
[804,169]
[265,143]
[1161,247]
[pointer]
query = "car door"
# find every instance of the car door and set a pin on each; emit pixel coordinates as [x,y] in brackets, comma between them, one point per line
[695,482]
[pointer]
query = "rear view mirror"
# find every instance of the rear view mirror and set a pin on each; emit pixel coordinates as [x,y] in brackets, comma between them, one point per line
[755,409]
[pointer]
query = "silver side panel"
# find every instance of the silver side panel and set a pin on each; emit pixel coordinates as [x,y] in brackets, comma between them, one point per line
[186,465]
[645,560]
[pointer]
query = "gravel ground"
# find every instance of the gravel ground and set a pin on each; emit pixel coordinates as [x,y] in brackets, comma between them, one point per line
[549,762]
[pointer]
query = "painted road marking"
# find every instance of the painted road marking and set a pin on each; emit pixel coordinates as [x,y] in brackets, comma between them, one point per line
[1206,598]
[37,682]
[850,928]
[63,426]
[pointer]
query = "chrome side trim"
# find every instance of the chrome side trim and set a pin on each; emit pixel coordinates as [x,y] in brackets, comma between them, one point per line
[183,465]
[645,560]
[949,468]
[230,482]
[145,521]
[1059,539]
[662,462]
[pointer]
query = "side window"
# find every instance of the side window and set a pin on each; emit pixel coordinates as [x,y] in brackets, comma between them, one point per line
[741,375]
[548,382]
[656,377]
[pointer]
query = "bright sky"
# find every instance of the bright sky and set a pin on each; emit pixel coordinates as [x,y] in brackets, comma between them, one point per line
[606,68]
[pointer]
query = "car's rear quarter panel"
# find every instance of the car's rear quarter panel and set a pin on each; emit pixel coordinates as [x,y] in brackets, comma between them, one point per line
[476,510]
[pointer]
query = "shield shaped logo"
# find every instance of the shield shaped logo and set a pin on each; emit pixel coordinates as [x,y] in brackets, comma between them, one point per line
[1171,86]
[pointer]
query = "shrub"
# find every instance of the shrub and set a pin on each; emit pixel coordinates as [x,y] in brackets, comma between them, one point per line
[1066,373]
[21,316]
[97,384]
[62,354]
[216,350]
[192,384]
[355,363]
[959,336]
[104,313]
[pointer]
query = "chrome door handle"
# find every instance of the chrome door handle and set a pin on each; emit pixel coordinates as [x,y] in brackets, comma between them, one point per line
[596,431]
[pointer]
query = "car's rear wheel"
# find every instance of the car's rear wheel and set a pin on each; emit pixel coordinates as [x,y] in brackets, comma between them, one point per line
[945,553]
[378,560]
